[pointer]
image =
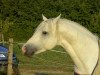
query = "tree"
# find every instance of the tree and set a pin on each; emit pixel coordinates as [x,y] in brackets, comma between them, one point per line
[26,14]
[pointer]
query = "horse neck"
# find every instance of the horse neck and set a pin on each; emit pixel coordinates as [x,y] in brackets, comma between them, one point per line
[76,59]
[70,38]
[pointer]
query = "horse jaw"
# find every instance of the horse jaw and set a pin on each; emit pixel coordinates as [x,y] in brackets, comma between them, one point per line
[40,51]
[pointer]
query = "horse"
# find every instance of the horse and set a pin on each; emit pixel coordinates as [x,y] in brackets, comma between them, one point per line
[81,44]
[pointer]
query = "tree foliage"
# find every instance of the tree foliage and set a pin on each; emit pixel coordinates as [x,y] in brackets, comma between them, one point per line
[26,14]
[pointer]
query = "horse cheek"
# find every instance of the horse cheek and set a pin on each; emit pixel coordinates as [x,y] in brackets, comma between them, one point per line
[50,43]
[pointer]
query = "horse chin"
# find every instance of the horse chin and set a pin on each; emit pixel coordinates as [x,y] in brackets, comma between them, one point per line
[30,54]
[40,51]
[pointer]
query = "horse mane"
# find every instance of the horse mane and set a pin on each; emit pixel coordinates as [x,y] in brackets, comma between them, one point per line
[78,27]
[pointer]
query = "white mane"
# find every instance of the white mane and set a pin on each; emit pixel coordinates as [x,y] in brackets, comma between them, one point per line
[78,27]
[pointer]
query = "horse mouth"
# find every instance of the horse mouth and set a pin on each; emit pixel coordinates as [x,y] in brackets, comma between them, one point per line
[29,54]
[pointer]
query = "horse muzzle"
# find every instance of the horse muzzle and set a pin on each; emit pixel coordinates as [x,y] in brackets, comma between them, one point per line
[29,50]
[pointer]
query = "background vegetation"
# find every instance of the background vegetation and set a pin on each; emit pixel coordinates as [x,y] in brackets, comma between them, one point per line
[19,18]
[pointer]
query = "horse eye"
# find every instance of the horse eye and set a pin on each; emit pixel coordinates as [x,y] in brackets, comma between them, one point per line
[44,32]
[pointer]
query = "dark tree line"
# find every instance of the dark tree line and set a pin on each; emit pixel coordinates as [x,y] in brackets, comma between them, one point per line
[19,18]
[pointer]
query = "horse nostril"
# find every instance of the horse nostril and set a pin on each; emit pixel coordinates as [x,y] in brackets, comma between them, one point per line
[24,49]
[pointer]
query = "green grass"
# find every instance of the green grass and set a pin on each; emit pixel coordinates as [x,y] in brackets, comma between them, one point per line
[46,60]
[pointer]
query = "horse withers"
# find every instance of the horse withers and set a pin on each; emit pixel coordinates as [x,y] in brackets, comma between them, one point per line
[79,42]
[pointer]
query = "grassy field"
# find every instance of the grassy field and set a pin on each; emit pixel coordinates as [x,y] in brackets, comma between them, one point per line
[45,60]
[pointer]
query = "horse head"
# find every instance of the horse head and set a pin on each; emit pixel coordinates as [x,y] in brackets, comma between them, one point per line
[44,38]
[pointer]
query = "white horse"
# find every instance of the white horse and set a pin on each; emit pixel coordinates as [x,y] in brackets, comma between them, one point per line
[79,42]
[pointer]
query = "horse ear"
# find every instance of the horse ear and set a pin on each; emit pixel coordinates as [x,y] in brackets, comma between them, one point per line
[57,18]
[44,18]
